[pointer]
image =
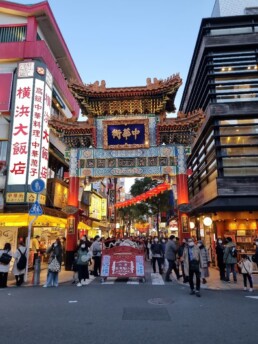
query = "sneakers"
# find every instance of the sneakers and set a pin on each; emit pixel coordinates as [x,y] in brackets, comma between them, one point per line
[79,284]
[197,293]
[204,281]
[245,289]
[44,286]
[192,292]
[251,290]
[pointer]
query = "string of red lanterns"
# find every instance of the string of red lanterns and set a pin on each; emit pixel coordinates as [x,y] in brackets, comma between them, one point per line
[148,194]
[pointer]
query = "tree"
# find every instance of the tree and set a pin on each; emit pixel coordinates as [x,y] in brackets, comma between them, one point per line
[152,206]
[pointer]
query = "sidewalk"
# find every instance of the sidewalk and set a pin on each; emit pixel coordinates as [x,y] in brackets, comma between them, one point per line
[213,282]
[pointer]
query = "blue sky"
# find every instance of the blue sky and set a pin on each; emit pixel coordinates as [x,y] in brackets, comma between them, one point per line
[126,41]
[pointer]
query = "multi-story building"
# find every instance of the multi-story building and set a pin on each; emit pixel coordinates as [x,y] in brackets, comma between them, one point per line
[223,81]
[35,67]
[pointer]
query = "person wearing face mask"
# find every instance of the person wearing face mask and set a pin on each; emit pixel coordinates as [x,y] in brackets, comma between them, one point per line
[96,249]
[220,262]
[205,261]
[170,255]
[157,253]
[83,257]
[192,264]
[56,254]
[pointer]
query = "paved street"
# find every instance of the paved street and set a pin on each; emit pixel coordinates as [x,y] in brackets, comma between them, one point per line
[124,313]
[119,311]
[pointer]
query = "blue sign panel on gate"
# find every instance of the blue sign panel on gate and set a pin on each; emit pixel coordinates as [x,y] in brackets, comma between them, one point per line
[36,209]
[37,185]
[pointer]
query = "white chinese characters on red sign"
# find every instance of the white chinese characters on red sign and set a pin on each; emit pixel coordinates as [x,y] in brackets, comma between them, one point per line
[21,133]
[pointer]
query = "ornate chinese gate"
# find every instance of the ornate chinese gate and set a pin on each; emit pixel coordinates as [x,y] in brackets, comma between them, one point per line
[127,134]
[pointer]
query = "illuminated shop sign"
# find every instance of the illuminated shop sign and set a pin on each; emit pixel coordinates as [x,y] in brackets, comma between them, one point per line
[30,132]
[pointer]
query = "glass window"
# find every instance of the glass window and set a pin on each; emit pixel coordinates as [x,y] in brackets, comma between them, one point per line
[238,121]
[239,140]
[231,31]
[247,171]
[240,161]
[3,150]
[239,130]
[211,145]
[231,151]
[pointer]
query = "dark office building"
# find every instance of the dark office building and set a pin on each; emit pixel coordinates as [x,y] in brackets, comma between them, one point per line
[223,81]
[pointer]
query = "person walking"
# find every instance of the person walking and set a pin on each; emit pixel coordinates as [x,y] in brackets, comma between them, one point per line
[156,252]
[170,254]
[35,248]
[220,261]
[96,250]
[5,260]
[19,273]
[192,264]
[83,257]
[230,259]
[205,261]
[246,267]
[181,262]
[54,265]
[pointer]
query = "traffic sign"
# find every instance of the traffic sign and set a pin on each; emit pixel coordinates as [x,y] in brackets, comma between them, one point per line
[37,185]
[36,209]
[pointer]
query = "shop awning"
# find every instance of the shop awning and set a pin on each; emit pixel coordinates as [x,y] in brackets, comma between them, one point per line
[23,220]
[83,226]
[100,225]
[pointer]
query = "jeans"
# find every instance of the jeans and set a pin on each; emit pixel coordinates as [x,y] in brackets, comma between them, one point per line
[231,268]
[249,277]
[52,279]
[198,279]
[172,266]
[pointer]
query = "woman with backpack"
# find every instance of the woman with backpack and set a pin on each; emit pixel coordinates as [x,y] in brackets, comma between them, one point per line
[5,259]
[54,264]
[20,262]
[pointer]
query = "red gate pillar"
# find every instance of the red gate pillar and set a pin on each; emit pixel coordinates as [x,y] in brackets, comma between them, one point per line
[72,220]
[182,194]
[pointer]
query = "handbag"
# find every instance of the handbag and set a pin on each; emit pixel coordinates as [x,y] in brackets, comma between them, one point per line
[5,258]
[54,265]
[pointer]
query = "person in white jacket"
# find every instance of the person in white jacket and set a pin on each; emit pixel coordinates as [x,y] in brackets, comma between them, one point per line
[246,267]
[19,274]
[4,268]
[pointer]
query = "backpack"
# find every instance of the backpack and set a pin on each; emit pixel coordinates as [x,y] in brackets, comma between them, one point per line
[5,258]
[233,252]
[21,264]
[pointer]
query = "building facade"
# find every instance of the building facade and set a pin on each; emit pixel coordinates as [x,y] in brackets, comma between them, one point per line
[35,68]
[223,81]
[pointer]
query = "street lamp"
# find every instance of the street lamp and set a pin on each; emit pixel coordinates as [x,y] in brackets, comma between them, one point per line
[207,221]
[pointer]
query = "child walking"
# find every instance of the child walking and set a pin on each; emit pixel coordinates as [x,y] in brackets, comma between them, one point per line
[246,267]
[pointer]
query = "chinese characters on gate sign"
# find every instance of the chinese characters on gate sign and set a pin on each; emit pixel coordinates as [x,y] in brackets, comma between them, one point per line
[125,133]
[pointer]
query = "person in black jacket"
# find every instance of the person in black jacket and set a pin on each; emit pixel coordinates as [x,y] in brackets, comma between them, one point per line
[157,255]
[220,261]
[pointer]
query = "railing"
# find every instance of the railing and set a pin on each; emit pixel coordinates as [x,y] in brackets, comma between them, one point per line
[12,34]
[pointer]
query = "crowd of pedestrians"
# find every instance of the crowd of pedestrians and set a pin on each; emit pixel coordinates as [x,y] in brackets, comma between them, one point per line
[189,260]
